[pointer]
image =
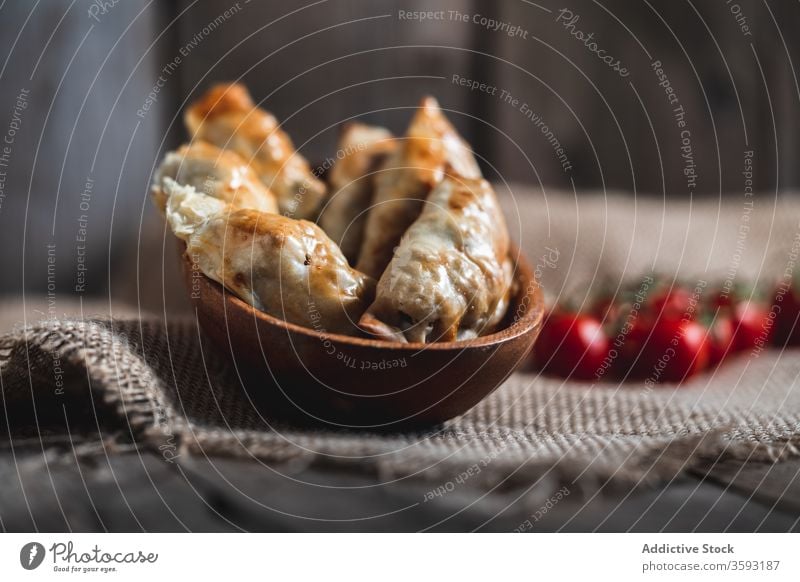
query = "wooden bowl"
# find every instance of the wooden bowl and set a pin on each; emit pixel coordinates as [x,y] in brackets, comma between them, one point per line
[296,373]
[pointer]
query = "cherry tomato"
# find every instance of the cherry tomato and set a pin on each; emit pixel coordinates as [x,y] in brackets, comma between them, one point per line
[740,325]
[720,339]
[787,321]
[667,349]
[752,326]
[626,366]
[675,302]
[606,309]
[720,299]
[571,345]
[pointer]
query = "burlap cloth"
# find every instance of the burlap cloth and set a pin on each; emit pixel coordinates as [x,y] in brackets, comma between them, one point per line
[149,384]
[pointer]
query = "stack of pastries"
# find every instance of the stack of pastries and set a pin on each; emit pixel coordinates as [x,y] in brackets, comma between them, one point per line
[402,241]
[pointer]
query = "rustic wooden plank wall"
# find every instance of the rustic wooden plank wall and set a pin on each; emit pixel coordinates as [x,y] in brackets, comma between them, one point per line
[88,78]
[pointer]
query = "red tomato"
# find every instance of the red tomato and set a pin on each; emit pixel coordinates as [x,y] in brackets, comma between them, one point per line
[605,309]
[668,349]
[721,300]
[675,302]
[720,340]
[787,322]
[571,345]
[752,326]
[626,366]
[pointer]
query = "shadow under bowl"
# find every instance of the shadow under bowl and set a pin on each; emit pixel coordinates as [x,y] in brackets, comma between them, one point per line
[295,373]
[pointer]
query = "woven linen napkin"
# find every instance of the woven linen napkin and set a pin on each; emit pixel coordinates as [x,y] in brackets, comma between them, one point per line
[163,387]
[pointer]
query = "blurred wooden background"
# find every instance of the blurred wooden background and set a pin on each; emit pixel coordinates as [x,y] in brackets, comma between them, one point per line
[87,68]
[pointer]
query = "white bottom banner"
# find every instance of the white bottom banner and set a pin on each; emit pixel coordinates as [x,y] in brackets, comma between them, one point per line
[354,557]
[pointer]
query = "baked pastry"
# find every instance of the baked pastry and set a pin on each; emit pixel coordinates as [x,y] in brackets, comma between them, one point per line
[285,267]
[362,148]
[405,180]
[433,233]
[450,277]
[227,117]
[218,173]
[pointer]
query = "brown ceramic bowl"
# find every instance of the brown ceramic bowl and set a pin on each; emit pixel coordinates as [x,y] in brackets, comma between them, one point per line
[293,371]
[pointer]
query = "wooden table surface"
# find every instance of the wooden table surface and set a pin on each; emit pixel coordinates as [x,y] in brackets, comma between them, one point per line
[137,491]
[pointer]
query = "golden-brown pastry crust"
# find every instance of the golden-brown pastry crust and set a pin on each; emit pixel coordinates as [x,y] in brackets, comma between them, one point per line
[227,117]
[221,99]
[218,173]
[407,177]
[285,267]
[450,276]
[361,149]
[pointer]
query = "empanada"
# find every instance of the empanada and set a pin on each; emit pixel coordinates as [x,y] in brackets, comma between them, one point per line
[450,277]
[285,267]
[405,180]
[218,173]
[361,149]
[227,117]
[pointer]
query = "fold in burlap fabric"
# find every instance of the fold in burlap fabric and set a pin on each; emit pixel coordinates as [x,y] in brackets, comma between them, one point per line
[162,387]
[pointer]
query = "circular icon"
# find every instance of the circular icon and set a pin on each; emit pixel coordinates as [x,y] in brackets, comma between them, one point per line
[31,555]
